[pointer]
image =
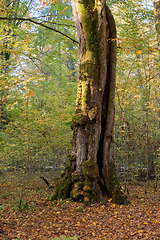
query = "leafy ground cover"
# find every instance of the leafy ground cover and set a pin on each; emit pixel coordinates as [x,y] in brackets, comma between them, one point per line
[27,213]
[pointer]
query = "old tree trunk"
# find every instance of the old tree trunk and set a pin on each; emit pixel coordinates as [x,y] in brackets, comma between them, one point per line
[91,173]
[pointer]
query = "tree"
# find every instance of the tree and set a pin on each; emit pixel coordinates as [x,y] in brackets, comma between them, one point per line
[39,127]
[157,24]
[9,34]
[136,84]
[91,172]
[137,88]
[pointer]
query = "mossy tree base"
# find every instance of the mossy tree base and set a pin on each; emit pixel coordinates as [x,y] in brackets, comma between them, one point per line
[80,186]
[86,186]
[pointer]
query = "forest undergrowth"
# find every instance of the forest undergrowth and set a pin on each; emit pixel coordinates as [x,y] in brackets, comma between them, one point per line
[26,212]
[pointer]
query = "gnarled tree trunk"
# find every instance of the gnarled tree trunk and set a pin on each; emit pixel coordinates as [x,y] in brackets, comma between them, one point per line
[91,173]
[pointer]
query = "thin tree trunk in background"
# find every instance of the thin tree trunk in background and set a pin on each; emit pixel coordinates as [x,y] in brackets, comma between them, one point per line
[157,25]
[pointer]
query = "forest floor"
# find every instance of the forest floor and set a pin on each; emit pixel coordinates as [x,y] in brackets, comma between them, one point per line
[27,213]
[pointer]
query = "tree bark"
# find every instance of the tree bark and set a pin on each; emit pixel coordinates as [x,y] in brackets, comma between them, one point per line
[91,172]
[157,25]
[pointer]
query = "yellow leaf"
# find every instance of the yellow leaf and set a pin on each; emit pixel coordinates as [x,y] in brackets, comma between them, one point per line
[139,52]
[31,93]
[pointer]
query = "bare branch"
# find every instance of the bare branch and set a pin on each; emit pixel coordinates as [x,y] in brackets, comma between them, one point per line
[60,24]
[40,24]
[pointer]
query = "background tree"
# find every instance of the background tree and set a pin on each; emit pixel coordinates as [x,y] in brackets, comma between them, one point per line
[136,119]
[36,64]
[9,35]
[157,23]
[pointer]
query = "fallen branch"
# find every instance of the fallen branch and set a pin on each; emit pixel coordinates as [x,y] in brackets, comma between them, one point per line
[46,181]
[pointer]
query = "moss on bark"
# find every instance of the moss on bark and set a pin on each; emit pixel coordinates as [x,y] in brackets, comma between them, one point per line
[84,186]
[113,185]
[79,186]
[79,119]
[94,119]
